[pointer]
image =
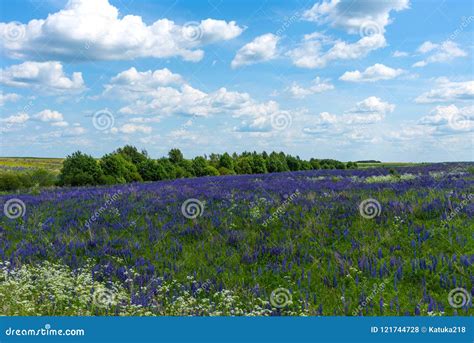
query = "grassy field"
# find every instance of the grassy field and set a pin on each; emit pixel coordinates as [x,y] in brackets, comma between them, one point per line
[19,163]
[326,242]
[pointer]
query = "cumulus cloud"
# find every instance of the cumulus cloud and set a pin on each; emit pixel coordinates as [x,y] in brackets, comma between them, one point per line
[13,122]
[397,53]
[262,48]
[8,97]
[94,30]
[312,52]
[374,73]
[450,118]
[444,52]
[366,18]
[46,77]
[49,116]
[368,111]
[132,82]
[448,91]
[132,128]
[318,86]
[145,99]
[354,16]
[19,118]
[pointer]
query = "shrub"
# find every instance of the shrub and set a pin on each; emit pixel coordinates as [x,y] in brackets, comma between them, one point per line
[80,169]
[120,168]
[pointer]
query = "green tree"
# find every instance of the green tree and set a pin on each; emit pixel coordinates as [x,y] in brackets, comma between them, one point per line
[150,170]
[120,168]
[199,166]
[79,170]
[258,164]
[226,161]
[244,165]
[175,156]
[132,154]
[211,171]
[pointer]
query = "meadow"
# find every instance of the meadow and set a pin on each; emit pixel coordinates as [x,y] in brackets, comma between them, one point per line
[372,242]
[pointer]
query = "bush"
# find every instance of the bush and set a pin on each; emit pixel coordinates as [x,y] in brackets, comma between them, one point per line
[9,181]
[79,170]
[211,171]
[120,168]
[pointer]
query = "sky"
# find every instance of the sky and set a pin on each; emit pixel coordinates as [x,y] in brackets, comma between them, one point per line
[390,80]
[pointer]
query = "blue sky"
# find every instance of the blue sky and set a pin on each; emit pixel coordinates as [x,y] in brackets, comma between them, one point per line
[389,80]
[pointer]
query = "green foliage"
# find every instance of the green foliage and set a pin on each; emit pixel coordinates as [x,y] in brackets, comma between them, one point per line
[199,166]
[225,171]
[211,171]
[258,164]
[226,162]
[120,168]
[175,156]
[9,181]
[132,154]
[128,164]
[244,165]
[150,170]
[79,170]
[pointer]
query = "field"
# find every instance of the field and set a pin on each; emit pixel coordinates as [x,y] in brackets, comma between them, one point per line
[327,242]
[22,163]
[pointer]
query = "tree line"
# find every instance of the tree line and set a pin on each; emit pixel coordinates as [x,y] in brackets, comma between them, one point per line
[128,164]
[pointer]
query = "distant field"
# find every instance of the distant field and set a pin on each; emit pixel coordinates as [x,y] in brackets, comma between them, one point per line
[388,164]
[20,163]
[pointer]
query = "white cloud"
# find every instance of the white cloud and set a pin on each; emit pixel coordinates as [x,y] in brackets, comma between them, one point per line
[354,16]
[132,128]
[318,86]
[132,83]
[262,48]
[427,47]
[444,52]
[8,97]
[450,118]
[49,116]
[61,123]
[448,91]
[374,73]
[46,77]
[397,53]
[373,105]
[310,54]
[19,118]
[93,30]
[368,111]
